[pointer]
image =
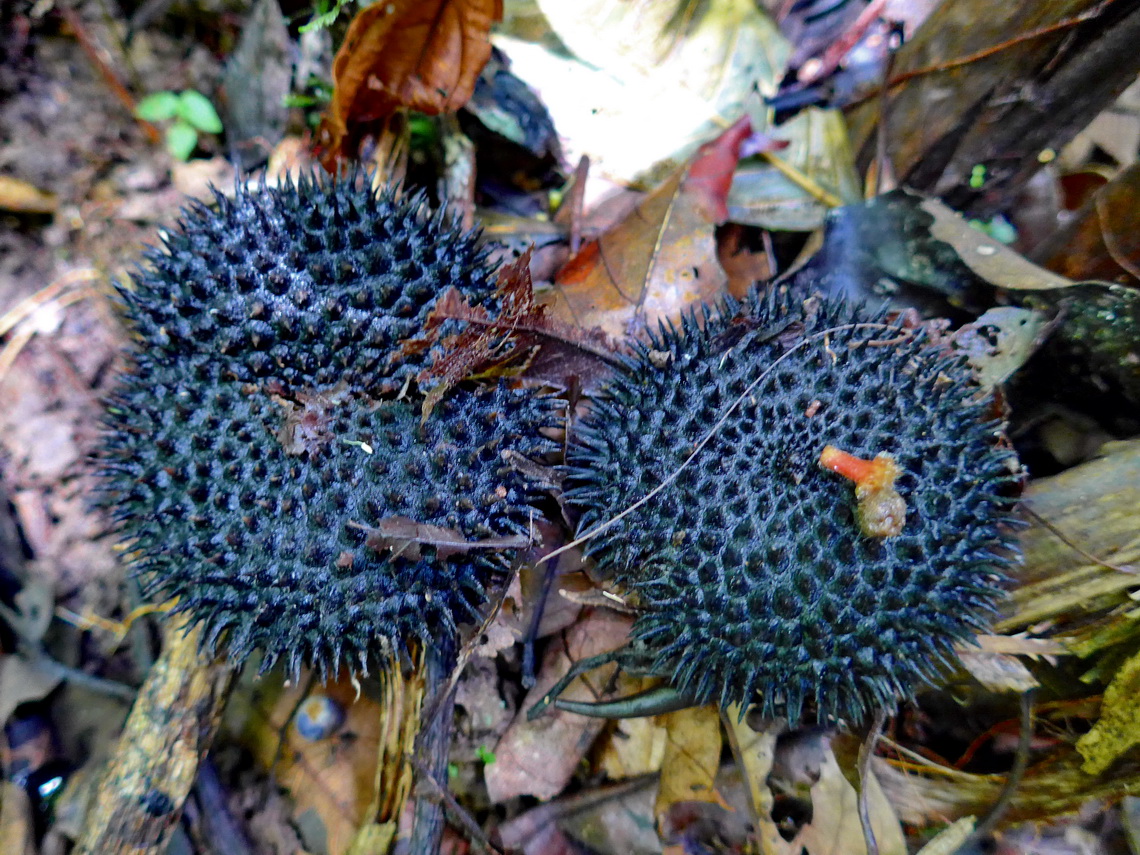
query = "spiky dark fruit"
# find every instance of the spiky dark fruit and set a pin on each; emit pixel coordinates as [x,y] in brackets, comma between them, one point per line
[262,534]
[254,458]
[307,284]
[754,579]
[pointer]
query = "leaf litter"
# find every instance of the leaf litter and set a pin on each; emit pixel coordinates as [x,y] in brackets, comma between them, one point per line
[958,268]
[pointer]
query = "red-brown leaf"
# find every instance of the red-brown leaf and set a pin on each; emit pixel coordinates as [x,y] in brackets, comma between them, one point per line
[422,54]
[520,337]
[662,257]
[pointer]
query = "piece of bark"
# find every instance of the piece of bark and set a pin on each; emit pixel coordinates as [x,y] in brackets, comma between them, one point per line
[1092,524]
[168,732]
[999,111]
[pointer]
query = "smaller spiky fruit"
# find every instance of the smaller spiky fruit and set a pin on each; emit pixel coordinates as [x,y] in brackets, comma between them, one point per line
[308,284]
[255,511]
[762,574]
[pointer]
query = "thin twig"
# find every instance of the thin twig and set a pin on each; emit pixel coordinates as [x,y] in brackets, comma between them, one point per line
[106,72]
[474,832]
[36,654]
[866,752]
[881,141]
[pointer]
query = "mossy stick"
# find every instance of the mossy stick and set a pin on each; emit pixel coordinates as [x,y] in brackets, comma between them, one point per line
[166,735]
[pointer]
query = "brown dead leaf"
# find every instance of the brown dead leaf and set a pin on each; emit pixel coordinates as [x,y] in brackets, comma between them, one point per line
[421,54]
[404,537]
[1102,241]
[692,757]
[662,257]
[492,346]
[743,262]
[539,757]
[332,778]
[835,828]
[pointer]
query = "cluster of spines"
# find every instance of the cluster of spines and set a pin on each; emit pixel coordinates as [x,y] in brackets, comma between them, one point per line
[753,579]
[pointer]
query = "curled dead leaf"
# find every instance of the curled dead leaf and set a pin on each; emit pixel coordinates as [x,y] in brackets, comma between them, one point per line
[421,54]
[520,335]
[662,257]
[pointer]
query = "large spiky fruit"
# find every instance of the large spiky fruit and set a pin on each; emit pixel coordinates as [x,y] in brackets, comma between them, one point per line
[272,488]
[311,283]
[755,579]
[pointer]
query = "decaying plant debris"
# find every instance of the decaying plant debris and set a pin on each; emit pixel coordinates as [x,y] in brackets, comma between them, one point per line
[625,171]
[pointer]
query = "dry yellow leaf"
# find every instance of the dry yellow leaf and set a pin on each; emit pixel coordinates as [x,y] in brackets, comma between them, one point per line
[692,757]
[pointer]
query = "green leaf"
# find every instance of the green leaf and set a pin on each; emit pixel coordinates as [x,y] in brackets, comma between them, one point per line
[197,111]
[323,15]
[157,107]
[181,140]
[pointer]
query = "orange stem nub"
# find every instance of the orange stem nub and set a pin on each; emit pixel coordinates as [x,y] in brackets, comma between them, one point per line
[868,475]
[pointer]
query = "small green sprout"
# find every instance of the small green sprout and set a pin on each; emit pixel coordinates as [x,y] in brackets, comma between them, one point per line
[325,14]
[486,755]
[188,112]
[978,176]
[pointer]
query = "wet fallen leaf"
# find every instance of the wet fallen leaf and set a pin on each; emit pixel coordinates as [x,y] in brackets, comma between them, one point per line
[421,54]
[692,757]
[662,257]
[647,82]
